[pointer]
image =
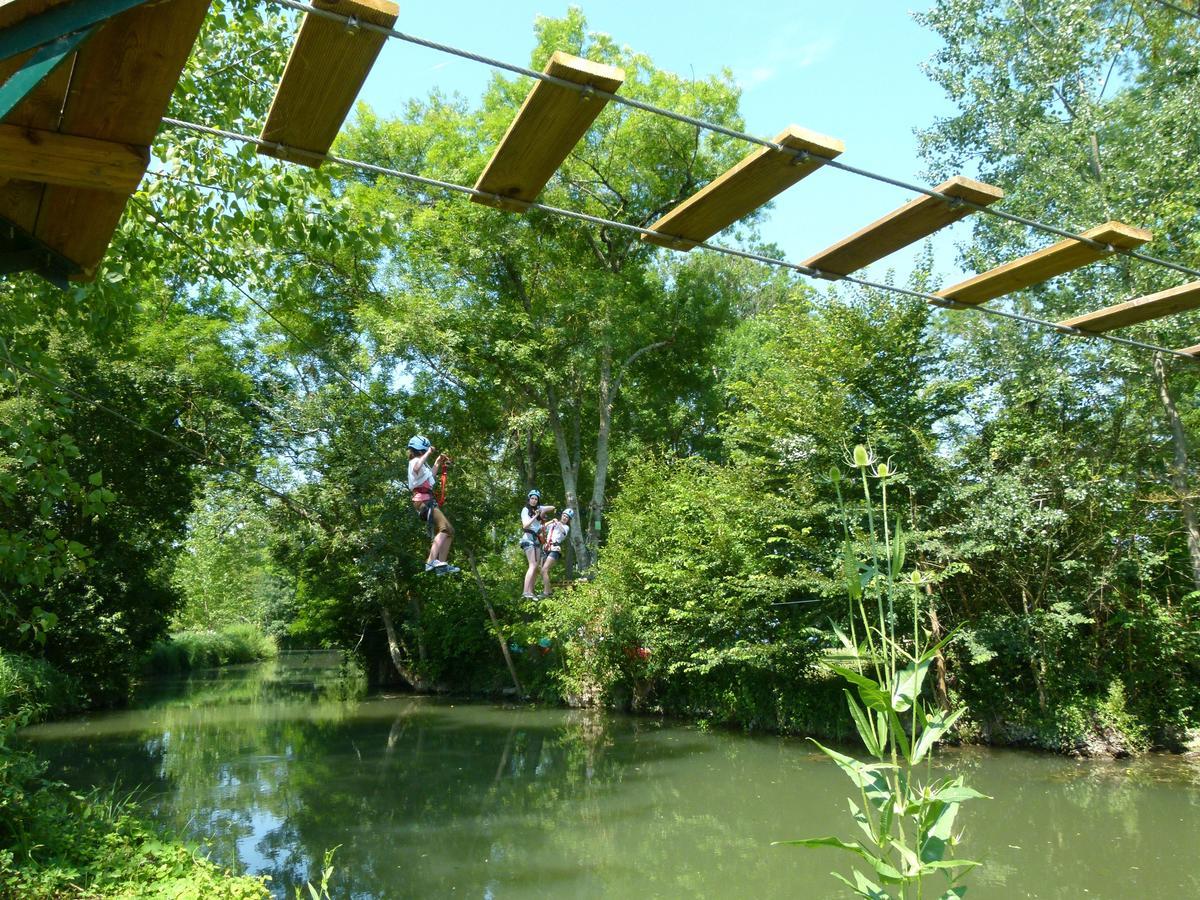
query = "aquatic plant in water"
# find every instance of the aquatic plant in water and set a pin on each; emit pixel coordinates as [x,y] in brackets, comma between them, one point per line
[906,816]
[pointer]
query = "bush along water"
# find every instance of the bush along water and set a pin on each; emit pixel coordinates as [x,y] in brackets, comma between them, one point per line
[906,816]
[189,650]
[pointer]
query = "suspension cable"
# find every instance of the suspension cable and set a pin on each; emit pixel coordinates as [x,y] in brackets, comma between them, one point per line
[704,245]
[351,23]
[266,310]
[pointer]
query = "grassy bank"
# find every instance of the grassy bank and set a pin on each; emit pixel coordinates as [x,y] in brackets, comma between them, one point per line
[189,650]
[55,842]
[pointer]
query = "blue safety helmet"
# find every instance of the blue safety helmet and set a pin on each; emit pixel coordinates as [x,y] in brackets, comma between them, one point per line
[534,493]
[569,513]
[420,443]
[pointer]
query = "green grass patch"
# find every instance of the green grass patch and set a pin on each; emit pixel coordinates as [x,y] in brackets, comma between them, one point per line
[32,689]
[55,842]
[189,650]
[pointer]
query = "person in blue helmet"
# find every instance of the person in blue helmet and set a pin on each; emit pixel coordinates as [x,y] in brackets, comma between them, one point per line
[421,478]
[554,536]
[533,517]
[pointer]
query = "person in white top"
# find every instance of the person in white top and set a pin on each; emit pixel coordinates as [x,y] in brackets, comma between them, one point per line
[533,517]
[554,535]
[420,482]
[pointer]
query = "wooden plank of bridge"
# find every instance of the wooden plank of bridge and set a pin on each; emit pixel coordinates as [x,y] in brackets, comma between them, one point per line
[56,158]
[122,82]
[325,72]
[1194,350]
[547,127]
[1142,309]
[914,220]
[1045,264]
[736,193]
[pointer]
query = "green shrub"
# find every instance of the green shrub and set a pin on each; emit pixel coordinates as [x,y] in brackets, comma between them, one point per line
[189,650]
[33,689]
[58,843]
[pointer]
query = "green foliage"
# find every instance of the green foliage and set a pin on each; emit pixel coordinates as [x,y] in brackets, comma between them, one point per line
[908,822]
[31,689]
[55,842]
[682,615]
[187,650]
[225,572]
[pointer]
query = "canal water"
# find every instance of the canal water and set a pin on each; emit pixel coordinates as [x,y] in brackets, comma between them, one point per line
[271,765]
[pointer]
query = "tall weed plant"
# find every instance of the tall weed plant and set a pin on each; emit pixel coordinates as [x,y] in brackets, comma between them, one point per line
[906,814]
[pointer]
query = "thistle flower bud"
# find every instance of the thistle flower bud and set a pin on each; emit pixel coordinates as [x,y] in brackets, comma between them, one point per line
[861,456]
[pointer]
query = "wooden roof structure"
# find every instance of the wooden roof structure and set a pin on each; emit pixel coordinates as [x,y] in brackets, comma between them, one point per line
[83,87]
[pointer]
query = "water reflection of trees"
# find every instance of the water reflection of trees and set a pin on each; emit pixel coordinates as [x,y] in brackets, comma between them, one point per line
[428,798]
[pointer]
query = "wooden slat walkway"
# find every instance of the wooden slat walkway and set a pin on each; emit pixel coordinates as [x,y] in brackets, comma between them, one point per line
[755,180]
[916,219]
[549,124]
[324,74]
[1045,264]
[1142,309]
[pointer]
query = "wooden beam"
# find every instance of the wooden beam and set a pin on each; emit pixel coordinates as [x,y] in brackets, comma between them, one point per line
[1194,350]
[324,74]
[55,158]
[748,185]
[1045,264]
[914,220]
[1143,309]
[547,127]
[122,81]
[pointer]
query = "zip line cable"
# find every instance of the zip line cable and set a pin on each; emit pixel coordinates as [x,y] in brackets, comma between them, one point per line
[1195,14]
[717,248]
[588,90]
[203,458]
[262,307]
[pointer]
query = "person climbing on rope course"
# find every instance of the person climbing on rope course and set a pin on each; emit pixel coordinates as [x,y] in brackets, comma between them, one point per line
[554,535]
[533,518]
[421,483]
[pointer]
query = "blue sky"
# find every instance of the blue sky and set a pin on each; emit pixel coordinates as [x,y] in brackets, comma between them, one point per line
[850,70]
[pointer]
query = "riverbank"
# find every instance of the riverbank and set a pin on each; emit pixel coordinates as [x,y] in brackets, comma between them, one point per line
[58,841]
[436,796]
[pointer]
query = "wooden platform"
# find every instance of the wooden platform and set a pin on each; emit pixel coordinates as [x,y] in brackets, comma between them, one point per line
[549,124]
[73,150]
[914,220]
[1143,309]
[1045,264]
[324,74]
[755,180]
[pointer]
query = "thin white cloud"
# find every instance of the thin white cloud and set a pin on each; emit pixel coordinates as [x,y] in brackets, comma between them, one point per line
[783,55]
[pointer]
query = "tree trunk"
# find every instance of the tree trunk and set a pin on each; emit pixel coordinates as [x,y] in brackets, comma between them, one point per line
[570,474]
[396,652]
[600,482]
[1179,471]
[941,694]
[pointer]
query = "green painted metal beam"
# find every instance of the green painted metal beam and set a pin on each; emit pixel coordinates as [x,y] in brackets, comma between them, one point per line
[59,21]
[37,67]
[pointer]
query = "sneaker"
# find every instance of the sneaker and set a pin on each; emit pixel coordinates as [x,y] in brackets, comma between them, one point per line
[528,596]
[437,567]
[447,569]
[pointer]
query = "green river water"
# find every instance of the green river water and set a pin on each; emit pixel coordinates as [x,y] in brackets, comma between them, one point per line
[270,765]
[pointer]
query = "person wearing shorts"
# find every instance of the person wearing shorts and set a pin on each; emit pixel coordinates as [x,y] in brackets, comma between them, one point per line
[533,517]
[554,536]
[421,484]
